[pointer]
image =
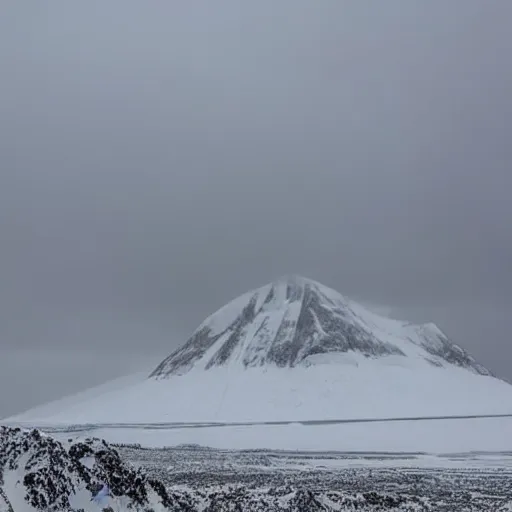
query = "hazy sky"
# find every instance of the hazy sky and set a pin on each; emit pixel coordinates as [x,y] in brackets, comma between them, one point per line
[159,158]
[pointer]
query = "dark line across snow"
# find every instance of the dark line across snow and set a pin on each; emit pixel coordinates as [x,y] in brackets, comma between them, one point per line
[306,423]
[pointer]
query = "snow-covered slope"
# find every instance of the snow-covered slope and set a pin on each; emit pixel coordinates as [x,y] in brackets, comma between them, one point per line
[295,350]
[294,321]
[56,406]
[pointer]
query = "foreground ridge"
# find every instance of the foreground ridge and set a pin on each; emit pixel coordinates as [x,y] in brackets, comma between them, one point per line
[39,472]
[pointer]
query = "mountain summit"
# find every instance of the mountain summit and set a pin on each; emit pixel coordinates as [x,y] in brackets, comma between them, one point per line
[295,350]
[297,321]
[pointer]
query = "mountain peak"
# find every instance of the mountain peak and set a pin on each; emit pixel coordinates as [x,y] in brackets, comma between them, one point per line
[297,321]
[293,279]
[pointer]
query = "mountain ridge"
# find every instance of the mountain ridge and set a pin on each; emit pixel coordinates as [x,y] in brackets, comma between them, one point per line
[293,319]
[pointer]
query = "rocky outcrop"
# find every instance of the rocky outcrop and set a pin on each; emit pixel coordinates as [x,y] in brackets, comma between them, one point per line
[50,473]
[286,322]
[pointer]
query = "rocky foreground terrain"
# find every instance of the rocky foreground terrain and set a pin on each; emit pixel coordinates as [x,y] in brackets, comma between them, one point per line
[289,481]
[42,473]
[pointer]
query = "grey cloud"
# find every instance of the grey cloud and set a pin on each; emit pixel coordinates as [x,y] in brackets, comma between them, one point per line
[157,160]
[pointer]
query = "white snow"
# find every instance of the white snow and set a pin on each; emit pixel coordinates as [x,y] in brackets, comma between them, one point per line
[428,436]
[332,386]
[350,386]
[274,314]
[226,315]
[56,406]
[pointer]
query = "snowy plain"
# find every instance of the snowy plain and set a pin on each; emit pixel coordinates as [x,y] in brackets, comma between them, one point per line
[354,388]
[426,436]
[357,388]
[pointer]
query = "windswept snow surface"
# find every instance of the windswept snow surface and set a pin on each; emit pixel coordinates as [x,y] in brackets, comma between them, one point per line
[56,406]
[344,387]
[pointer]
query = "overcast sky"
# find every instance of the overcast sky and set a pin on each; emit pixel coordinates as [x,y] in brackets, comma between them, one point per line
[159,158]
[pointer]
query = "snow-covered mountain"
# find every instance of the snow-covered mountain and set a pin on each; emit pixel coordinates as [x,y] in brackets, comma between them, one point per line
[296,321]
[295,350]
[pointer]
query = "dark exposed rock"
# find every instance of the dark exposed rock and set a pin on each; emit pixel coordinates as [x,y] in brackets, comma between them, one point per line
[438,345]
[50,488]
[286,322]
[51,473]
